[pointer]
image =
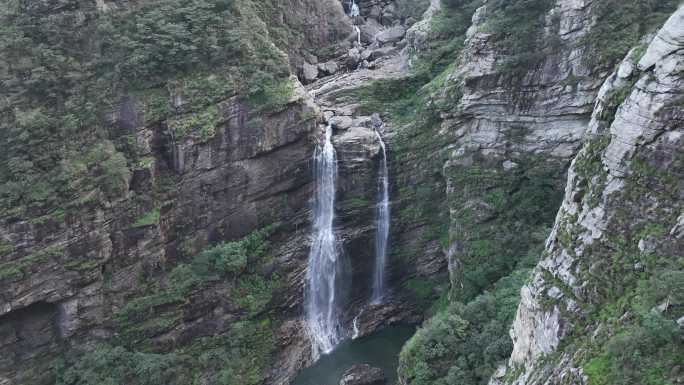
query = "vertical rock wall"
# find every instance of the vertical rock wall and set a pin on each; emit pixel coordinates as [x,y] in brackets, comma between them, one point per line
[603,202]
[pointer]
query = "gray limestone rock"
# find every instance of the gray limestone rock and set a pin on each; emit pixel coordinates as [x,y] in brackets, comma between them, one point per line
[309,72]
[353,58]
[328,68]
[341,122]
[391,35]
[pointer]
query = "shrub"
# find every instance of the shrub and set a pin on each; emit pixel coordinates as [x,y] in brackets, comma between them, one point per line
[161,308]
[233,257]
[148,219]
[620,24]
[642,353]
[67,68]
[517,27]
[463,344]
[255,292]
[107,365]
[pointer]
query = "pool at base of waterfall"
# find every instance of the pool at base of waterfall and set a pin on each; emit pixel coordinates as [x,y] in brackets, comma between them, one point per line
[380,350]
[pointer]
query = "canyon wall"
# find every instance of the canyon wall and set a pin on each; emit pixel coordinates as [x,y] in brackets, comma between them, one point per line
[155,212]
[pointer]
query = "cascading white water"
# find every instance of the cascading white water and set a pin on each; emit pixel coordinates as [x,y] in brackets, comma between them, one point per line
[324,268]
[354,9]
[358,34]
[355,325]
[382,219]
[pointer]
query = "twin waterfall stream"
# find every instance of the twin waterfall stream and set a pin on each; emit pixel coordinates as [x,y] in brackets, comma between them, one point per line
[324,267]
[382,220]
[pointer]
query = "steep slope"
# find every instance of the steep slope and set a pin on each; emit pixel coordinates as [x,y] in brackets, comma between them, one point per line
[156,176]
[491,141]
[604,303]
[156,179]
[137,140]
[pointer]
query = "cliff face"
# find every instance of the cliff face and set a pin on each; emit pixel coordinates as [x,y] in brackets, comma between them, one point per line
[155,214]
[507,128]
[73,276]
[623,184]
[134,273]
[514,132]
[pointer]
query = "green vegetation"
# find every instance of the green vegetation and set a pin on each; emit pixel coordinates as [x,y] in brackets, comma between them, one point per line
[357,202]
[517,27]
[146,315]
[503,217]
[632,296]
[412,8]
[463,344]
[500,217]
[421,288]
[236,357]
[615,98]
[643,350]
[148,219]
[204,122]
[429,294]
[448,36]
[255,292]
[65,70]
[23,265]
[589,165]
[620,24]
[109,365]
[5,248]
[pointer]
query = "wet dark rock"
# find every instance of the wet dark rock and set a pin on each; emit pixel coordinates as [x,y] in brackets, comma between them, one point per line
[363,374]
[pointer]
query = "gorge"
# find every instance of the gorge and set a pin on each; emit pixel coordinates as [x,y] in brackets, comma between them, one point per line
[244,192]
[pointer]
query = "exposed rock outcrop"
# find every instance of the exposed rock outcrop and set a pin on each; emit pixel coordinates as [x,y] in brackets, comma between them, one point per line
[646,130]
[363,375]
[499,128]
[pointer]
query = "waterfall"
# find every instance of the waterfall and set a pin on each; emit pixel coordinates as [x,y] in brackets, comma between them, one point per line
[323,269]
[355,325]
[382,219]
[358,34]
[354,9]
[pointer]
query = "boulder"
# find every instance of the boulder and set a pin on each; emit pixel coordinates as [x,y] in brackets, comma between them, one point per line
[310,58]
[391,35]
[328,68]
[309,72]
[382,52]
[389,14]
[369,30]
[363,374]
[366,54]
[375,12]
[376,121]
[341,122]
[509,165]
[353,58]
